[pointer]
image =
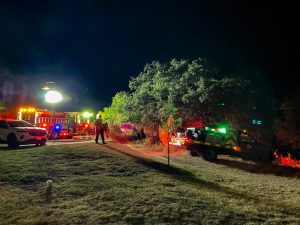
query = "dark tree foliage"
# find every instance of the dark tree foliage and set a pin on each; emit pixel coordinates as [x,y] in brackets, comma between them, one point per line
[288,120]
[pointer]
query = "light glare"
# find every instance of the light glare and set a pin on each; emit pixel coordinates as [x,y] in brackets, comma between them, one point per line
[53,97]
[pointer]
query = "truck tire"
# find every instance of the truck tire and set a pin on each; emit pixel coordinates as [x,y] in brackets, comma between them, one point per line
[209,155]
[266,157]
[41,143]
[12,141]
[193,153]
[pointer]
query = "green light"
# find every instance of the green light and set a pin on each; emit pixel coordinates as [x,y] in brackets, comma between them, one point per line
[86,114]
[222,130]
[219,130]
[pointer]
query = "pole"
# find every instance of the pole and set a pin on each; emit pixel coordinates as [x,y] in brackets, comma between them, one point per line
[53,122]
[168,148]
[170,122]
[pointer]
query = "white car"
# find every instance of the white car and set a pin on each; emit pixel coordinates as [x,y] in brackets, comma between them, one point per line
[16,132]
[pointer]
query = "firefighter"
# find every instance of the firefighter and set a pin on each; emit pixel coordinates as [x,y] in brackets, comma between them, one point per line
[100,129]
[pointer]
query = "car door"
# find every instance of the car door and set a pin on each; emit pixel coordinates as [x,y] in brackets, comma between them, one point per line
[3,130]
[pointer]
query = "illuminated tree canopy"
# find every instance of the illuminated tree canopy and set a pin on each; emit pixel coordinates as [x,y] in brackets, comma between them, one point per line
[183,88]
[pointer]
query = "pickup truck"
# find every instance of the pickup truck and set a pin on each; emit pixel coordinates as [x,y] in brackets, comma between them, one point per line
[209,142]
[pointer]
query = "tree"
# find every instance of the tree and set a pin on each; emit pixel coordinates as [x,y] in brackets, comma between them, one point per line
[162,90]
[288,120]
[186,89]
[117,113]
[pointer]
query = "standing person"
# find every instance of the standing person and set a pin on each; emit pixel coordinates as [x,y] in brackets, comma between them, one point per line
[142,133]
[98,128]
[102,131]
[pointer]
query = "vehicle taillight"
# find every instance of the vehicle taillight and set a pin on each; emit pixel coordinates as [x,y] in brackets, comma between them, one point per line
[236,148]
[187,141]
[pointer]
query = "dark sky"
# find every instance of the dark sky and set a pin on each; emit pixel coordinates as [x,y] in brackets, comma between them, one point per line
[91,48]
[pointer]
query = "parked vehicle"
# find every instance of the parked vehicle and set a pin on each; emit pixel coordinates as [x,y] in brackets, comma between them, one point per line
[17,132]
[208,142]
[59,133]
[77,123]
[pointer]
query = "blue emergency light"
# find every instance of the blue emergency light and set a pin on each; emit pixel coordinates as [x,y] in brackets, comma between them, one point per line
[57,127]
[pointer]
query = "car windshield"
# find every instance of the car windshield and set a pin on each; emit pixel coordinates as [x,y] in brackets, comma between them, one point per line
[18,123]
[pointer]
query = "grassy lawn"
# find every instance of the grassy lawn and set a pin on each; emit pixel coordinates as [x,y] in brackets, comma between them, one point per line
[92,184]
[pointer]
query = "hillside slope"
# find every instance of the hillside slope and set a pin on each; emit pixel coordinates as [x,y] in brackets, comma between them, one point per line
[94,184]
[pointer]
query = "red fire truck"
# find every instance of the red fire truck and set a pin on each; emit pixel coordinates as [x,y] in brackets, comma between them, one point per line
[59,124]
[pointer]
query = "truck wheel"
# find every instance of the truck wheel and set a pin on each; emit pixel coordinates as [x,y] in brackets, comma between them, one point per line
[12,141]
[41,143]
[266,157]
[209,155]
[193,153]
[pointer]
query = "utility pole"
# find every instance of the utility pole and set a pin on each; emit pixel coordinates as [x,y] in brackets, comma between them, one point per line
[169,127]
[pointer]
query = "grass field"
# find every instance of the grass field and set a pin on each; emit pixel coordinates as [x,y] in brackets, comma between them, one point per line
[93,184]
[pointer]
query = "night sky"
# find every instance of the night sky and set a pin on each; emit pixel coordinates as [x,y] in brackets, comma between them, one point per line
[92,48]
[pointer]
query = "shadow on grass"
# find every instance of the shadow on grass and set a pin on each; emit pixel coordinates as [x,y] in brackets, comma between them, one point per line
[261,168]
[186,176]
[189,177]
[22,147]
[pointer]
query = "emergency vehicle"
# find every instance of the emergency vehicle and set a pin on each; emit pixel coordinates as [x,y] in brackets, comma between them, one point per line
[16,132]
[208,142]
[58,124]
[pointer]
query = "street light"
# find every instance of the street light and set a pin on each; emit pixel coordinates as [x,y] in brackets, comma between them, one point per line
[86,116]
[53,97]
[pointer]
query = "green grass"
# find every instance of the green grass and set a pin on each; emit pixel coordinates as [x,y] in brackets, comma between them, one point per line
[92,185]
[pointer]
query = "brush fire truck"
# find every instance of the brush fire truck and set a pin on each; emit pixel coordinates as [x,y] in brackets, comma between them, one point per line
[208,142]
[58,124]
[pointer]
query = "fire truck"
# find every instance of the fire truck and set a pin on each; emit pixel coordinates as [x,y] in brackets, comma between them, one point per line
[58,124]
[209,142]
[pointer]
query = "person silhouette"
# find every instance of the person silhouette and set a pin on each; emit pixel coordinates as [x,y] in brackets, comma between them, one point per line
[102,131]
[98,128]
